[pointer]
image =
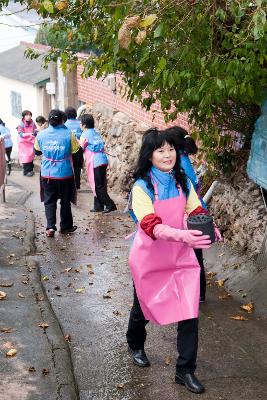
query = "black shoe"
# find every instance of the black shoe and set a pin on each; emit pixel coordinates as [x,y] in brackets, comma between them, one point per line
[109,209]
[97,210]
[190,382]
[202,300]
[70,230]
[139,357]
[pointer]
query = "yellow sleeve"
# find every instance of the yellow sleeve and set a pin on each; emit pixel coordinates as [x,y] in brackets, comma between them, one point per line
[193,201]
[74,144]
[141,203]
[36,145]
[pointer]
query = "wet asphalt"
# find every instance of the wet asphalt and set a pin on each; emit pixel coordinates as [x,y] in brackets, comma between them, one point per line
[87,281]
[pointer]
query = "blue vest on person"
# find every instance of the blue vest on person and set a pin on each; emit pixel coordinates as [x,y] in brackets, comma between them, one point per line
[74,126]
[55,144]
[5,133]
[96,145]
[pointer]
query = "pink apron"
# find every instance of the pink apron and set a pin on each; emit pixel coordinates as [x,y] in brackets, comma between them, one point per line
[166,274]
[89,160]
[25,146]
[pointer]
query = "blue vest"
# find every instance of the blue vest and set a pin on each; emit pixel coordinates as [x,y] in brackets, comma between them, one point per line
[74,126]
[5,133]
[55,144]
[96,145]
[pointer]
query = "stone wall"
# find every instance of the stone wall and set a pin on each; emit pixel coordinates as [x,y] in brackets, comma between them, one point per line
[238,208]
[240,213]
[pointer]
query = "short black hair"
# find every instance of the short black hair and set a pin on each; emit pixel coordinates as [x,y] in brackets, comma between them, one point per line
[71,112]
[25,112]
[40,120]
[88,121]
[55,117]
[184,141]
[2,122]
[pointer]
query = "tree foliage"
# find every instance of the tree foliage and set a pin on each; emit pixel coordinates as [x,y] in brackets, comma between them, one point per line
[204,57]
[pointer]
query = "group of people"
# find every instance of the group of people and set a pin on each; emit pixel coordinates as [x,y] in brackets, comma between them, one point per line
[64,142]
[166,259]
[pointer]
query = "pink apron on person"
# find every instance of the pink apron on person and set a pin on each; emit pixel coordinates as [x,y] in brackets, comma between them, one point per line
[166,274]
[25,147]
[89,160]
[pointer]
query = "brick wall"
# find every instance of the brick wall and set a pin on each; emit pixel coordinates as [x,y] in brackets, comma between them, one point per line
[91,90]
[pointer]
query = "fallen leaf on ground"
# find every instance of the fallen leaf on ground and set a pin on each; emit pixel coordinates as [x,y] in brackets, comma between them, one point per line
[21,296]
[45,371]
[7,330]
[11,353]
[118,313]
[211,274]
[167,360]
[32,369]
[248,307]
[120,386]
[3,295]
[107,296]
[43,325]
[57,287]
[77,270]
[38,297]
[70,285]
[45,278]
[90,283]
[8,345]
[67,338]
[67,269]
[80,290]
[224,296]
[239,318]
[25,282]
[6,283]
[221,282]
[90,269]
[220,255]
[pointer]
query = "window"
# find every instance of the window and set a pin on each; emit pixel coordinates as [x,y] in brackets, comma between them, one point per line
[16,108]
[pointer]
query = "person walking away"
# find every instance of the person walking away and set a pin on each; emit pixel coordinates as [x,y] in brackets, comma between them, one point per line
[41,123]
[96,165]
[164,267]
[187,146]
[56,144]
[74,126]
[27,131]
[5,133]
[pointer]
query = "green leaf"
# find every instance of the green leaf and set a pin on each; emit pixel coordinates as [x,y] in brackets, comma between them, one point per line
[48,5]
[158,31]
[148,20]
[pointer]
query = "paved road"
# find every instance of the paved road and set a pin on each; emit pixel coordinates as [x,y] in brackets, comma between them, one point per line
[87,280]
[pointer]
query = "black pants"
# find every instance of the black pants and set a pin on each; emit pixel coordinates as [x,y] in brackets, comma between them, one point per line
[187,337]
[27,167]
[102,198]
[77,166]
[8,156]
[199,255]
[55,189]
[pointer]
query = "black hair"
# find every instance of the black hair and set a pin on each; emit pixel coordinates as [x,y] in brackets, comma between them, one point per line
[40,120]
[25,112]
[2,122]
[153,139]
[71,112]
[184,141]
[88,121]
[64,117]
[55,117]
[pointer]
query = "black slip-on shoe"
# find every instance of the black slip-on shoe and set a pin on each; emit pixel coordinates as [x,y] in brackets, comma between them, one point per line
[95,210]
[70,230]
[139,357]
[190,381]
[109,209]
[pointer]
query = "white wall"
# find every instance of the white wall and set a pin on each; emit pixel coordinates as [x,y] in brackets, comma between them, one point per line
[31,99]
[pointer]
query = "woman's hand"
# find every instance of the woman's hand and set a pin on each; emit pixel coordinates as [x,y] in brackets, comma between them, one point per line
[83,143]
[193,238]
[218,235]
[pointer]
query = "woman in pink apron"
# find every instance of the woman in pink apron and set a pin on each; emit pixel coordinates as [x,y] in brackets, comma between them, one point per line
[163,264]
[96,161]
[27,131]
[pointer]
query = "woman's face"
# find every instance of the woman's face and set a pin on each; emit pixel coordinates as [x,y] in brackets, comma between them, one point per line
[164,158]
[28,117]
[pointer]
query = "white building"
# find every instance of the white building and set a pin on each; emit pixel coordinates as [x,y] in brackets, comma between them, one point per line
[22,86]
